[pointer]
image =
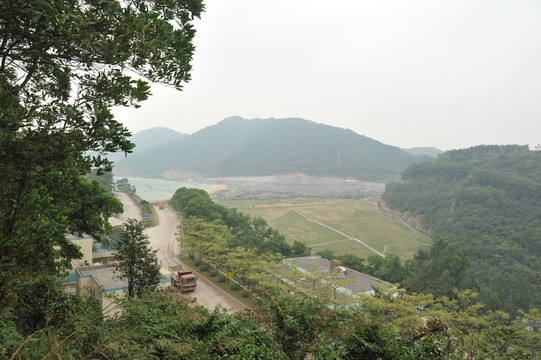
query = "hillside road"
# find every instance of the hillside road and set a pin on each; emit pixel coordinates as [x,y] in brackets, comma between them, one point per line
[131,210]
[163,238]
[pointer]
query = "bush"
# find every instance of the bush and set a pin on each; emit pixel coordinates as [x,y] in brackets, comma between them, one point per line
[197,263]
[234,286]
[245,293]
[204,267]
[213,273]
[221,279]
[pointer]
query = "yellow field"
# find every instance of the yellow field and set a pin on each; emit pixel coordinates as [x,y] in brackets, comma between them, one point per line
[344,226]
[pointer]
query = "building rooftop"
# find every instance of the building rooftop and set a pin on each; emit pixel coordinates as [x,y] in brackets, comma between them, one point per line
[104,277]
[316,264]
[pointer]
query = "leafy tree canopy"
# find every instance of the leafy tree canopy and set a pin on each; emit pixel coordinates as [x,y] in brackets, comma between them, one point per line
[248,232]
[63,66]
[137,262]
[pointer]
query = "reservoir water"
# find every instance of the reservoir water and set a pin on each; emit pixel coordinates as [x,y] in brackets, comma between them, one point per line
[161,189]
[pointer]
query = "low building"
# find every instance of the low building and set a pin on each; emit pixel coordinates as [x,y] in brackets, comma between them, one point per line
[354,283]
[85,243]
[100,281]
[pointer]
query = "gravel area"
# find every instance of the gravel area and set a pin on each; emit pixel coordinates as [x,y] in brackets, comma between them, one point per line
[265,187]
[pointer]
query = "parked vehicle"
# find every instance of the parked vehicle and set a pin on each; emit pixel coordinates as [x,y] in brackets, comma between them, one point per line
[184,280]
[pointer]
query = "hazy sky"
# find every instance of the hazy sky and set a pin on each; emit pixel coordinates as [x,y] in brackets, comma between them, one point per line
[447,74]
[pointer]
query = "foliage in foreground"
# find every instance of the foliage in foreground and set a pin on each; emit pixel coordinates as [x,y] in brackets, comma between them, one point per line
[163,325]
[63,66]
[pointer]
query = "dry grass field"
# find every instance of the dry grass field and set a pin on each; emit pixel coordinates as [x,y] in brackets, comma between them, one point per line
[344,226]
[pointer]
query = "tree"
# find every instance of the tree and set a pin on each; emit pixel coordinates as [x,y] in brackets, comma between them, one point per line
[137,262]
[63,66]
[440,271]
[124,185]
[35,233]
[105,179]
[300,249]
[208,240]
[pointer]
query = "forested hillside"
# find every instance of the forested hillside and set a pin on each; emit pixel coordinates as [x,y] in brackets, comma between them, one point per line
[240,147]
[487,199]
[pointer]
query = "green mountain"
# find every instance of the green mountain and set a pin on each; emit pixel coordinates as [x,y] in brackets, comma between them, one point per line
[487,199]
[148,139]
[241,147]
[154,137]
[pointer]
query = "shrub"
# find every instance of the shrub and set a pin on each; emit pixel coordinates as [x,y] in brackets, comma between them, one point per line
[213,273]
[204,267]
[245,293]
[234,286]
[221,279]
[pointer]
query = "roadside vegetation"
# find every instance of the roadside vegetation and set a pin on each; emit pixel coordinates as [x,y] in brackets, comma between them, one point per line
[238,229]
[217,277]
[147,208]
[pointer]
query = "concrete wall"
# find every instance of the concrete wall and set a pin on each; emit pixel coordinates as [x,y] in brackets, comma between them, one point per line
[85,243]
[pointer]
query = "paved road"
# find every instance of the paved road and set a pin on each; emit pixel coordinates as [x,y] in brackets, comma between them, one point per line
[210,296]
[131,210]
[163,238]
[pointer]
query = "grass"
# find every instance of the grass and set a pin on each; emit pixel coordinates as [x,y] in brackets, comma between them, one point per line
[358,218]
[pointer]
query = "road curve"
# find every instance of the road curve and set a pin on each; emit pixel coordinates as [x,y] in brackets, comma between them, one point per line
[131,210]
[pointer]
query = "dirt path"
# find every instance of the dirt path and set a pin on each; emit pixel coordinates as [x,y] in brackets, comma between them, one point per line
[341,233]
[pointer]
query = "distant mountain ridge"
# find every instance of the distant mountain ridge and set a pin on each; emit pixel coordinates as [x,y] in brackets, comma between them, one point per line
[430,151]
[258,147]
[148,139]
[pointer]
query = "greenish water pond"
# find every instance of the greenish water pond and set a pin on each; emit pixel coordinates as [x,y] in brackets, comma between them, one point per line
[161,189]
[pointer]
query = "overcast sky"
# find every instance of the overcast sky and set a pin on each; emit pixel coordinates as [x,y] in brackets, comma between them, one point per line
[447,74]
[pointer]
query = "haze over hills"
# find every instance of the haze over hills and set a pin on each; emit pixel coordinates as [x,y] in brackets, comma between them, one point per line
[430,151]
[258,147]
[147,139]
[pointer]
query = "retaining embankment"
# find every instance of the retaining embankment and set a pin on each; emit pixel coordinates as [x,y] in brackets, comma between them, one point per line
[404,221]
